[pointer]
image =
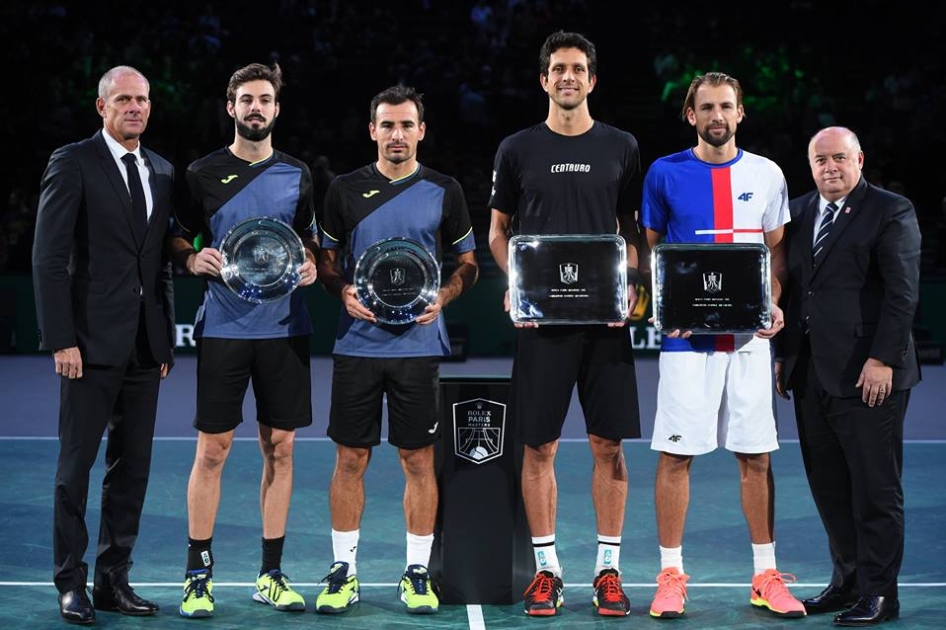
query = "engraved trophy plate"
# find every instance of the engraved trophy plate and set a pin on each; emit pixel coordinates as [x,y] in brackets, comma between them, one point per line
[568,279]
[712,288]
[261,259]
[396,279]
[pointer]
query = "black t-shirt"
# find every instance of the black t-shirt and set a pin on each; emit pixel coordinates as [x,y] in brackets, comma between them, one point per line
[557,184]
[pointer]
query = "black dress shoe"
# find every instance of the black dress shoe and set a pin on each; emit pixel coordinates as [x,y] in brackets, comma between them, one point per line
[831,599]
[122,599]
[75,607]
[869,611]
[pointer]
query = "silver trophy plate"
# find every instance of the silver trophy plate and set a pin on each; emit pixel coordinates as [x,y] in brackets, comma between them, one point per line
[712,288]
[261,259]
[568,279]
[396,278]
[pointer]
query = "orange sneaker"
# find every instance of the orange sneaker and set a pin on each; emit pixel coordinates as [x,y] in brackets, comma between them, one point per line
[609,598]
[544,596]
[671,593]
[769,591]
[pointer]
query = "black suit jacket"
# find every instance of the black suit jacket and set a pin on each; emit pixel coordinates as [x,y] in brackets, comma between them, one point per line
[861,299]
[90,270]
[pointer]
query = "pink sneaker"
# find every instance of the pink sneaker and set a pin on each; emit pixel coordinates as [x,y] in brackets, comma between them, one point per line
[671,593]
[769,591]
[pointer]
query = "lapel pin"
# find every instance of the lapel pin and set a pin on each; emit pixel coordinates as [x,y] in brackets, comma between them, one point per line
[847,210]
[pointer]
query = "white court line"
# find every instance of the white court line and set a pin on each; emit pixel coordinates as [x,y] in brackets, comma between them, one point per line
[474,616]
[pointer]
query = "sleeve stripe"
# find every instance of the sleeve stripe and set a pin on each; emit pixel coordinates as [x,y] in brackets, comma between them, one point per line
[322,227]
[468,232]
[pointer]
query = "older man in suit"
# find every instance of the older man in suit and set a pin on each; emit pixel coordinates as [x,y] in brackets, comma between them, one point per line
[850,358]
[104,301]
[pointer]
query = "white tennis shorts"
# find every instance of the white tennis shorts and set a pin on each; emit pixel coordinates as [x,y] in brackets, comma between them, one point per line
[708,399]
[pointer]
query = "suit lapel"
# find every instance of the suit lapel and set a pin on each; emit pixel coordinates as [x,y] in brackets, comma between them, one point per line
[152,183]
[806,232]
[115,178]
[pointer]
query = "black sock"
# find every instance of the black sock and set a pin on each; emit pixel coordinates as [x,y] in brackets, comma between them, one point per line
[272,554]
[199,555]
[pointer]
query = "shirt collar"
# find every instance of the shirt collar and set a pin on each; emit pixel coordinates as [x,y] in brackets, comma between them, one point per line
[823,203]
[117,150]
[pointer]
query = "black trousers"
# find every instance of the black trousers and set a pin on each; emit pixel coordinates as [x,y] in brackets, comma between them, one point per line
[121,400]
[853,458]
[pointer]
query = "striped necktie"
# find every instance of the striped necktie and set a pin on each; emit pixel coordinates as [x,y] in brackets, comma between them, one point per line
[827,221]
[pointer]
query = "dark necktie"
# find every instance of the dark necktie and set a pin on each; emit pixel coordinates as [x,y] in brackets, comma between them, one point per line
[823,230]
[139,206]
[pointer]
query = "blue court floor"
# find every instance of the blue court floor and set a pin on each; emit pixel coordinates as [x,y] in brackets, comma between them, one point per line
[717,553]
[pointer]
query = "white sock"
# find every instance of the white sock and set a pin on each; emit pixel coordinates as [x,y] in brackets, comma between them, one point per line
[418,549]
[345,548]
[545,557]
[763,557]
[671,557]
[609,554]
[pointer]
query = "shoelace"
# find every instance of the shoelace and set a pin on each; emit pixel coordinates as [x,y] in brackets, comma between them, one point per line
[279,580]
[773,580]
[610,586]
[677,582]
[336,579]
[198,588]
[541,588]
[418,583]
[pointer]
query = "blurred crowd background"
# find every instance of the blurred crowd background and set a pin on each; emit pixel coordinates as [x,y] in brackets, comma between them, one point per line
[874,66]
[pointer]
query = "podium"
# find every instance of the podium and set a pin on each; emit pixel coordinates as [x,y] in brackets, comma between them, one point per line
[482,550]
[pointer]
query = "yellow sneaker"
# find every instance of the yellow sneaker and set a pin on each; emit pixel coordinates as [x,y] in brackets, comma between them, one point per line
[273,588]
[198,597]
[416,591]
[342,591]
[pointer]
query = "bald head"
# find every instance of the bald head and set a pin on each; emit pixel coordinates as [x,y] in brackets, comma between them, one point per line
[110,77]
[836,160]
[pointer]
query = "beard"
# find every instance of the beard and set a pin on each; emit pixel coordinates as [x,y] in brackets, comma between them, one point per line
[397,158]
[254,134]
[717,141]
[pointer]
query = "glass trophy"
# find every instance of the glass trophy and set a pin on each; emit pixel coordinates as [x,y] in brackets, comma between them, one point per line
[568,279]
[712,288]
[261,259]
[396,278]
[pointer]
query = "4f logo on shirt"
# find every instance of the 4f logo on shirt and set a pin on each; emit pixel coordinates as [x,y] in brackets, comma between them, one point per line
[397,276]
[228,179]
[746,196]
[712,282]
[568,272]
[370,194]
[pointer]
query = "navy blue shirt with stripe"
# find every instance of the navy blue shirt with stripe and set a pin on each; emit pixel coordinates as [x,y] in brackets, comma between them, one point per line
[364,207]
[224,191]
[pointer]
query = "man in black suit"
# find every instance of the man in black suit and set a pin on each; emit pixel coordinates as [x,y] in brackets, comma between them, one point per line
[104,302]
[850,358]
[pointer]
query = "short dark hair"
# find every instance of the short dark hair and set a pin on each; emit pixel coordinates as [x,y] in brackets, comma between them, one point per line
[561,39]
[713,79]
[255,72]
[395,95]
